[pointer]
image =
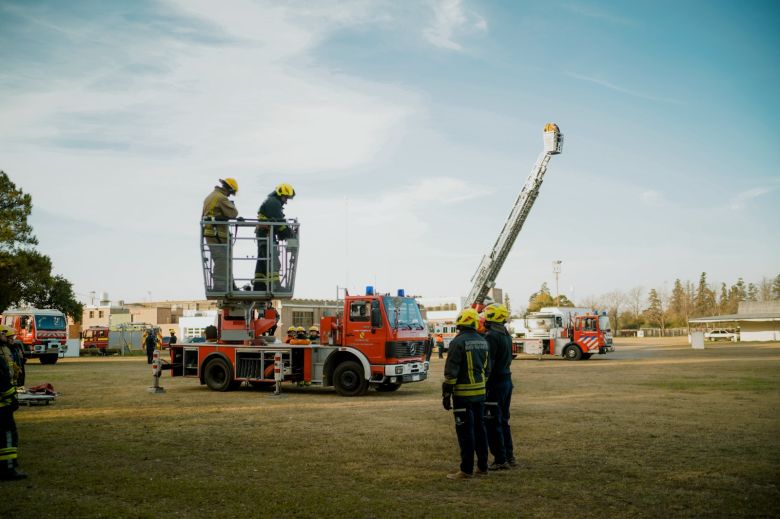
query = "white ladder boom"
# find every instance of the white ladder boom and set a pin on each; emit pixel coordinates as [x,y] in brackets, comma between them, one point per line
[485,277]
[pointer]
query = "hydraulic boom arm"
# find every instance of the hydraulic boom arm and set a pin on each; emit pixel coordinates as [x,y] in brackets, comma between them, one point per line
[487,272]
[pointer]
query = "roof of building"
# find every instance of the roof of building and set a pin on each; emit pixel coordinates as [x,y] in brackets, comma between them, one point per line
[754,316]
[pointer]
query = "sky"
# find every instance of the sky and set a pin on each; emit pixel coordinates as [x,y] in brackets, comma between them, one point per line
[407,130]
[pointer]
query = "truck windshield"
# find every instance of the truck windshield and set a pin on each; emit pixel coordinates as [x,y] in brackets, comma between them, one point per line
[539,323]
[604,322]
[49,322]
[406,311]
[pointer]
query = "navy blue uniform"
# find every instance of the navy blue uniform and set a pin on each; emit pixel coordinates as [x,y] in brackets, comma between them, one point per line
[499,393]
[465,372]
[272,210]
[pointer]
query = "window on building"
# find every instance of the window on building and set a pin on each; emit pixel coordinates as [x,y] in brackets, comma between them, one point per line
[304,319]
[100,314]
[91,314]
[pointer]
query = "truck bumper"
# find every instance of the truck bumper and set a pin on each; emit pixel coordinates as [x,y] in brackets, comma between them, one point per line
[403,379]
[403,373]
[47,348]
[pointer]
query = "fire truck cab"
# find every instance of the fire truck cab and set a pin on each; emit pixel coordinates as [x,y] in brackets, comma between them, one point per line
[42,332]
[573,333]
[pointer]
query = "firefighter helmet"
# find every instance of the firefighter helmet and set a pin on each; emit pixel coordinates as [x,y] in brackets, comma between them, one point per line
[230,183]
[468,317]
[8,331]
[291,329]
[300,329]
[496,313]
[314,328]
[285,190]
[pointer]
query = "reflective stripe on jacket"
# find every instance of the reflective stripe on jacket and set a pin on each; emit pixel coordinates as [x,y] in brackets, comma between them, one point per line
[467,365]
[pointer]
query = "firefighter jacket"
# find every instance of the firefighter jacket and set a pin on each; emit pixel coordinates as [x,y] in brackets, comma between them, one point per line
[500,345]
[217,206]
[467,365]
[8,399]
[273,210]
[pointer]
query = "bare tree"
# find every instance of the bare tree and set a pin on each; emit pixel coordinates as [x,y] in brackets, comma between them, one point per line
[635,298]
[614,300]
[591,302]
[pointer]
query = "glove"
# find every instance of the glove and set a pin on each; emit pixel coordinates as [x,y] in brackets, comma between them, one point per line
[446,402]
[446,395]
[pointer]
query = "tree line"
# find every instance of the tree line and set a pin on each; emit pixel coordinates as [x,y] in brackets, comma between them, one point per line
[659,308]
[26,277]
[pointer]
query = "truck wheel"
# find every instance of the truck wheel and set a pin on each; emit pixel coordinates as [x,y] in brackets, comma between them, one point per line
[572,352]
[218,375]
[387,387]
[49,358]
[348,379]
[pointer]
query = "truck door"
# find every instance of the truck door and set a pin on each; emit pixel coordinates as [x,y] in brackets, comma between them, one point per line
[359,331]
[587,333]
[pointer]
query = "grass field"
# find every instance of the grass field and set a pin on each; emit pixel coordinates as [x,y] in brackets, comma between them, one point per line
[653,430]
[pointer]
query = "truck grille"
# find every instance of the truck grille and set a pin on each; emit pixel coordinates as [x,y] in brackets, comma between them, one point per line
[401,349]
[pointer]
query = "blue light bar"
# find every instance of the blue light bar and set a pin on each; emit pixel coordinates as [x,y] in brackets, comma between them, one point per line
[401,292]
[369,290]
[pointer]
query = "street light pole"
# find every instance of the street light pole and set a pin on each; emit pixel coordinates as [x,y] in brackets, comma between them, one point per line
[557,272]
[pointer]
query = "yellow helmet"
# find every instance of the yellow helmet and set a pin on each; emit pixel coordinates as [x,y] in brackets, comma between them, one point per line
[291,329]
[8,331]
[285,190]
[468,317]
[300,329]
[231,183]
[496,313]
[314,328]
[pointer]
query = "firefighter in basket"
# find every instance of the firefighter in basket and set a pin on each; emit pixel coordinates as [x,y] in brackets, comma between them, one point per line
[272,210]
[217,207]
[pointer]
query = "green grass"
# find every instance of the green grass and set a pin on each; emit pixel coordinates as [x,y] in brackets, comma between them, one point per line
[653,430]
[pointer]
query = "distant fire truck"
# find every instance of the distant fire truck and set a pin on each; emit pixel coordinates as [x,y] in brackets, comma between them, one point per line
[573,333]
[43,333]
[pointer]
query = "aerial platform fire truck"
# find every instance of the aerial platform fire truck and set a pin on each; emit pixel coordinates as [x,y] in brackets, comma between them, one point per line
[573,333]
[375,340]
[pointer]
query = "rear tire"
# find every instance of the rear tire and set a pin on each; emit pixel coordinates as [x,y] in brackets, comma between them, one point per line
[572,352]
[218,375]
[387,387]
[348,379]
[49,358]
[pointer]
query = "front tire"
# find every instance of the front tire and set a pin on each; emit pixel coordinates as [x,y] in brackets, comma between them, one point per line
[218,375]
[387,387]
[572,352]
[49,358]
[348,379]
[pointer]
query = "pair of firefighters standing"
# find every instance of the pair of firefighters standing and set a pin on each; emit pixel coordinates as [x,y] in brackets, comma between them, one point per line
[218,207]
[478,388]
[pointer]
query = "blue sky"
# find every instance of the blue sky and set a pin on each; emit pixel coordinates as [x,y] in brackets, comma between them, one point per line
[407,129]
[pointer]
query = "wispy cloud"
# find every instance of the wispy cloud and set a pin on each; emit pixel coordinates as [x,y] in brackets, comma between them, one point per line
[652,198]
[450,17]
[741,198]
[598,14]
[618,88]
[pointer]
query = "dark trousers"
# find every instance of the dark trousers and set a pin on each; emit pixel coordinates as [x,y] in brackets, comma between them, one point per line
[499,398]
[441,349]
[149,354]
[219,257]
[470,429]
[267,279]
[9,441]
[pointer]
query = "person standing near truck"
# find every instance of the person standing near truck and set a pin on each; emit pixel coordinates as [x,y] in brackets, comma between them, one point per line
[9,436]
[499,388]
[463,391]
[151,344]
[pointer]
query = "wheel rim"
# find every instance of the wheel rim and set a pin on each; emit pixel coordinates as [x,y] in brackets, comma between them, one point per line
[349,380]
[218,374]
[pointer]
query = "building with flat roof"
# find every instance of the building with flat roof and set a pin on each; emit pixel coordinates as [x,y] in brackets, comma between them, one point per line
[755,321]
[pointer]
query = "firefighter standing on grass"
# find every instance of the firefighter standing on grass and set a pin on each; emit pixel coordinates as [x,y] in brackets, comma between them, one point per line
[9,437]
[463,391]
[499,388]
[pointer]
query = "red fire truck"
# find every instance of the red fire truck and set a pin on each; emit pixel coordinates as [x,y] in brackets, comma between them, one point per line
[375,340]
[95,337]
[43,333]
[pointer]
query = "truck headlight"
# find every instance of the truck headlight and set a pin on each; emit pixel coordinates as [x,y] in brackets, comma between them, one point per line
[399,370]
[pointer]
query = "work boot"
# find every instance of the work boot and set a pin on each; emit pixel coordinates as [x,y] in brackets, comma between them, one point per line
[512,462]
[481,473]
[460,475]
[499,466]
[12,475]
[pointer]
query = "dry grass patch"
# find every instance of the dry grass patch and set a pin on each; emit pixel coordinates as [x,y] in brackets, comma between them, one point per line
[655,429]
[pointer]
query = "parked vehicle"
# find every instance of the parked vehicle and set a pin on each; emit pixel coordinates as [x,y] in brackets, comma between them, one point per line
[573,333]
[42,332]
[721,334]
